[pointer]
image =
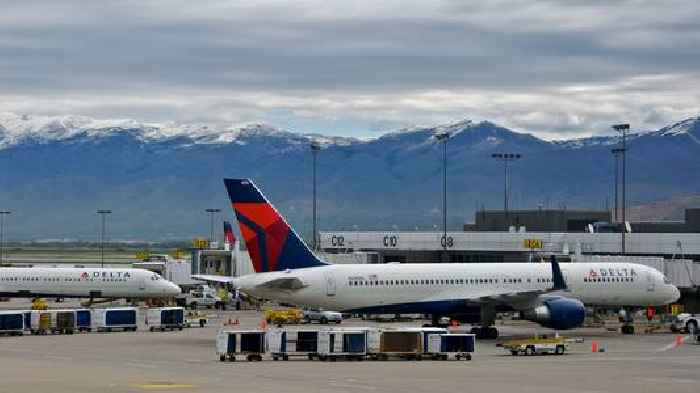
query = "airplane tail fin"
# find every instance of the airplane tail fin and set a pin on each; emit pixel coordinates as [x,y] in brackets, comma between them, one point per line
[557,276]
[272,243]
[229,237]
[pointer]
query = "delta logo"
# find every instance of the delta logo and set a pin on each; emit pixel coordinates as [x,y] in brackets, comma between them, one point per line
[623,272]
[117,274]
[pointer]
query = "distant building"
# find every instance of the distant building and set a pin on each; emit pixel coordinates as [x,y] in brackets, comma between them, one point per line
[563,220]
[540,220]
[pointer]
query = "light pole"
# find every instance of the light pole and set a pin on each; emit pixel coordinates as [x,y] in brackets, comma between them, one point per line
[506,158]
[315,148]
[211,212]
[103,215]
[3,213]
[623,129]
[444,137]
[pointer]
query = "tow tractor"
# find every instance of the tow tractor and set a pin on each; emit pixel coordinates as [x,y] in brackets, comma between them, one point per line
[537,345]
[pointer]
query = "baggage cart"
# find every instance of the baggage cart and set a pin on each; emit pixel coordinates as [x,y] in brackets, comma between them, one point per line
[109,319]
[283,343]
[163,318]
[12,323]
[248,343]
[83,320]
[40,322]
[63,321]
[407,343]
[350,344]
[446,346]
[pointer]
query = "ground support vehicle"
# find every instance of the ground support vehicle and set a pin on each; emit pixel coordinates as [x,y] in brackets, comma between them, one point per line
[283,343]
[683,323]
[538,345]
[451,345]
[323,317]
[287,316]
[109,319]
[349,344]
[195,319]
[165,318]
[248,343]
[12,323]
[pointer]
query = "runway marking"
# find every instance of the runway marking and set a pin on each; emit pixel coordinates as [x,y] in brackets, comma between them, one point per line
[165,386]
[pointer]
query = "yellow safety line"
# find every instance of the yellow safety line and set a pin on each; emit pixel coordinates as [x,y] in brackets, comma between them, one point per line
[163,386]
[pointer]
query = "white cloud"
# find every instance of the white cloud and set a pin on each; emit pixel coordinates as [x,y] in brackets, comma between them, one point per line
[553,68]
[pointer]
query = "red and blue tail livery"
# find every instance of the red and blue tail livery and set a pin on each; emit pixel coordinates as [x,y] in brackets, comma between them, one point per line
[272,243]
[229,237]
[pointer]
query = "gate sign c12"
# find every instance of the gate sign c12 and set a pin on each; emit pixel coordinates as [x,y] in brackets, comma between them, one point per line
[533,243]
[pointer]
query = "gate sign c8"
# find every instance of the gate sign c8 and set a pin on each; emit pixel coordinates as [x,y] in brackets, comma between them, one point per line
[533,243]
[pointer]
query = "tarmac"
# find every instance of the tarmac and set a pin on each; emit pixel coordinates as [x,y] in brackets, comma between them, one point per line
[186,361]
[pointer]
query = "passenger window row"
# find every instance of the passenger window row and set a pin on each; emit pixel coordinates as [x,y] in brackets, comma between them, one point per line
[470,281]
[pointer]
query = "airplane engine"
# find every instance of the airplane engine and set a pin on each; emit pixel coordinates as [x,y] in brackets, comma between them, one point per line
[558,313]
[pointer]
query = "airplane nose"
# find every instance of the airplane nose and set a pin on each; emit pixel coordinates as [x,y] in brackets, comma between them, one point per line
[173,289]
[675,293]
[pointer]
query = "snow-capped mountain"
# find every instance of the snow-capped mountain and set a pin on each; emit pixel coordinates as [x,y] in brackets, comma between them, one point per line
[158,178]
[16,129]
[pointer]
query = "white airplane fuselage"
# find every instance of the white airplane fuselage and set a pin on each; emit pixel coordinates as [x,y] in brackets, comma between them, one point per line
[420,288]
[84,283]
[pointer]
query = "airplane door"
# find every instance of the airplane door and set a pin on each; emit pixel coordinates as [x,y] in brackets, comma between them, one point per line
[142,284]
[330,285]
[650,283]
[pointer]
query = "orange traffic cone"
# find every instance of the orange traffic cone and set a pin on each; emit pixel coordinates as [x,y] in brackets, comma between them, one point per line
[679,341]
[594,346]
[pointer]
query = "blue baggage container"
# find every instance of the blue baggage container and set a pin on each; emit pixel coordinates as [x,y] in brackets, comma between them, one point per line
[307,341]
[120,317]
[253,342]
[12,322]
[27,320]
[457,343]
[172,317]
[231,346]
[83,320]
[354,342]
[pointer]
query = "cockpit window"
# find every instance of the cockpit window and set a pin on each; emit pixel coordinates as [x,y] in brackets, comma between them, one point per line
[666,280]
[156,277]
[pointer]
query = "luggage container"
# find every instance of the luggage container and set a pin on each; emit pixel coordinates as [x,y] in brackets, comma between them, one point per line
[445,346]
[40,322]
[342,344]
[83,320]
[406,343]
[163,318]
[282,343]
[62,321]
[108,319]
[248,343]
[12,323]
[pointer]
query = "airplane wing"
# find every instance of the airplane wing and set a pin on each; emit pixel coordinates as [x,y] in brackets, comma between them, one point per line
[213,278]
[284,283]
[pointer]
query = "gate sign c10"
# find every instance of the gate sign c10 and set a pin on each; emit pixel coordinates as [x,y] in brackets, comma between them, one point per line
[533,243]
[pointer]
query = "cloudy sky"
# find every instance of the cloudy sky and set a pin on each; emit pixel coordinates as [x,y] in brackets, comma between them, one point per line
[557,68]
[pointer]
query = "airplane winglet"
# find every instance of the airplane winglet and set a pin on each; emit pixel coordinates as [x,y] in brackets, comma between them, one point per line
[557,276]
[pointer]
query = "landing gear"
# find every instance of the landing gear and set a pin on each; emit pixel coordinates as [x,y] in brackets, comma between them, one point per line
[485,332]
[627,329]
[627,321]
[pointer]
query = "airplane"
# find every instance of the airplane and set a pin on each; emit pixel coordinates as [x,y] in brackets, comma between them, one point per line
[552,295]
[90,283]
